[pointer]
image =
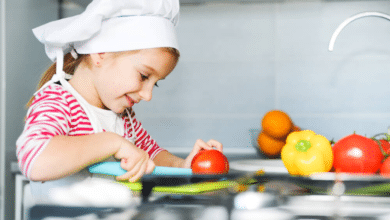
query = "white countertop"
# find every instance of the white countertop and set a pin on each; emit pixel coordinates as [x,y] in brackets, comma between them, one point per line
[231,153]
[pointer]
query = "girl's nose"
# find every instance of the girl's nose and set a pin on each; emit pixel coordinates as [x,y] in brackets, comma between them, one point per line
[146,93]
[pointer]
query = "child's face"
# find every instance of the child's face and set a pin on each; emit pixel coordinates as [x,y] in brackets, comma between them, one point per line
[122,80]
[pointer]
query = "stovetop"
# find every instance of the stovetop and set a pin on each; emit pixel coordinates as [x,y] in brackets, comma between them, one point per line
[249,204]
[270,196]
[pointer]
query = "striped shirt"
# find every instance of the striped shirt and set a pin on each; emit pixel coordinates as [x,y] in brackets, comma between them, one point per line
[55,111]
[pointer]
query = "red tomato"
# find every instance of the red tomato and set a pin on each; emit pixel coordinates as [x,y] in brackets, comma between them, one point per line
[357,154]
[210,162]
[385,168]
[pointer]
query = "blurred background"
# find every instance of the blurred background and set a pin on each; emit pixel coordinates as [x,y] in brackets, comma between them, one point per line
[239,59]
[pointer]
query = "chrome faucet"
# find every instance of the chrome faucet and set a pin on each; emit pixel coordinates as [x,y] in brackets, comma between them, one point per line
[349,20]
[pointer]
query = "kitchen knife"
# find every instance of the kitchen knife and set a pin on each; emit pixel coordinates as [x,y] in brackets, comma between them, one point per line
[115,169]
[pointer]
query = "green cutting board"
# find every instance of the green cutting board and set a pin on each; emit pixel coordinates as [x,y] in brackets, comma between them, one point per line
[195,188]
[378,189]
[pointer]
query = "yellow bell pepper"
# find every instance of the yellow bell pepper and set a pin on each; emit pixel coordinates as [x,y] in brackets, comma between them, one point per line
[306,153]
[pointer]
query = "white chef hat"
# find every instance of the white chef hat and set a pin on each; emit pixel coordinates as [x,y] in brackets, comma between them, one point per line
[112,26]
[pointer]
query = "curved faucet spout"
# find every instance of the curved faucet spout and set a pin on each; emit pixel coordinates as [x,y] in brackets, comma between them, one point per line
[349,20]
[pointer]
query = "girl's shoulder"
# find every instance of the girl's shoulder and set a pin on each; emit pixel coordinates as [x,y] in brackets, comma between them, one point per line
[55,89]
[53,93]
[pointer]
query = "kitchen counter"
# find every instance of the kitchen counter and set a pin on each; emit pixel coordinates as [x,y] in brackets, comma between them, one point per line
[276,198]
[223,206]
[271,200]
[231,154]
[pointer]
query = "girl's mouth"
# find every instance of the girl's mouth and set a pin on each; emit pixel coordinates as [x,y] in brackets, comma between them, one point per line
[130,101]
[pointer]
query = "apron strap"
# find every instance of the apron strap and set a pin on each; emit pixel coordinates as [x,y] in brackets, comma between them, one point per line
[132,126]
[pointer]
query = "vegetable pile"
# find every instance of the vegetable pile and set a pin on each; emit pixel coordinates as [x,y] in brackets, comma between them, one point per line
[306,153]
[303,152]
[276,126]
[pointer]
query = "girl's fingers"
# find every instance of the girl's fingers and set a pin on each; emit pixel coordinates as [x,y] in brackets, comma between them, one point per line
[122,177]
[132,170]
[150,167]
[200,144]
[127,175]
[215,144]
[127,164]
[140,172]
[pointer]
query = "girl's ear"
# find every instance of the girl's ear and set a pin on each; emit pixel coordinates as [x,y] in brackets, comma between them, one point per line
[97,59]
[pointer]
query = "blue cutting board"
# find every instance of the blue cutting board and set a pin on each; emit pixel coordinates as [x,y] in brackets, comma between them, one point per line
[115,169]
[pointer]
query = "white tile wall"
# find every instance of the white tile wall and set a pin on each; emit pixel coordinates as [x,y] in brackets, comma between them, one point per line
[25,60]
[241,60]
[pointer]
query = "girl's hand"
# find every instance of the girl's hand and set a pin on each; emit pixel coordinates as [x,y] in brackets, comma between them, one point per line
[201,145]
[134,160]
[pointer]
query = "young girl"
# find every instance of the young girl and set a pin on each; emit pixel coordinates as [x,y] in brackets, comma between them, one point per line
[115,53]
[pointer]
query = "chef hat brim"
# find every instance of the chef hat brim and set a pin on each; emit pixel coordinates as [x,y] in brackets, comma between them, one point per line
[125,34]
[130,33]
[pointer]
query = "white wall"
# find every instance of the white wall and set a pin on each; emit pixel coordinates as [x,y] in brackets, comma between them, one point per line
[24,63]
[2,106]
[241,60]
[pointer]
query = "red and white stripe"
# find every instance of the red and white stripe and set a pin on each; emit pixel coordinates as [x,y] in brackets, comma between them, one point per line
[55,111]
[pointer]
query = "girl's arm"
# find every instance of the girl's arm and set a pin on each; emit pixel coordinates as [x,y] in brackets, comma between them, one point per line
[66,155]
[162,157]
[166,159]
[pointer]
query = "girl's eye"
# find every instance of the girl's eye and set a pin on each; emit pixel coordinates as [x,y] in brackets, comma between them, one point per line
[144,77]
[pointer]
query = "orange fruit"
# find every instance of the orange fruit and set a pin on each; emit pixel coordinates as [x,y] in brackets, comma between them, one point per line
[270,146]
[277,124]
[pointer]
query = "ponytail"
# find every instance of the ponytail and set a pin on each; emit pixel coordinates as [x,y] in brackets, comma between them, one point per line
[70,65]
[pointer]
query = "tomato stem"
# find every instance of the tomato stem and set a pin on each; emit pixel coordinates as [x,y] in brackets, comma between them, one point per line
[385,155]
[387,136]
[380,146]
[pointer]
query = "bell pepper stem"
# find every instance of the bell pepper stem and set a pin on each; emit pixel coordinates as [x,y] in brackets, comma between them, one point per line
[302,145]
